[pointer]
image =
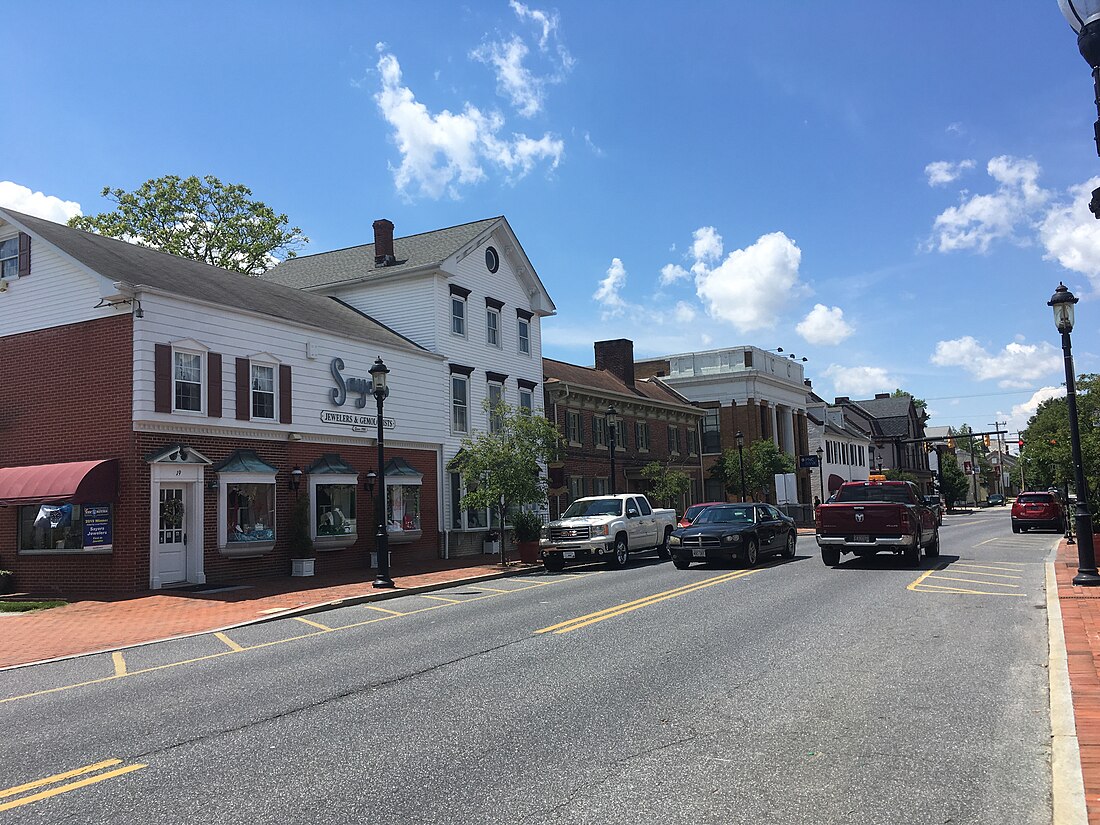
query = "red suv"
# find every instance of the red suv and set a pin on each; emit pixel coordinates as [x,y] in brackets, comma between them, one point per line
[692,513]
[1038,510]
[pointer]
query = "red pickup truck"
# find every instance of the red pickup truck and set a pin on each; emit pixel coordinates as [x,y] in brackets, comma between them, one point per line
[867,517]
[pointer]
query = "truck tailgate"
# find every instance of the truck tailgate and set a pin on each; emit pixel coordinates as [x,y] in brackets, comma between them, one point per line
[868,519]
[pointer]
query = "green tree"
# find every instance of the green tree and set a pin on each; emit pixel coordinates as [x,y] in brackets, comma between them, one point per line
[954,484]
[199,218]
[919,403]
[763,460]
[900,475]
[500,468]
[665,484]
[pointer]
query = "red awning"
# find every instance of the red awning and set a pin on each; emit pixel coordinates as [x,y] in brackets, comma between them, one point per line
[81,482]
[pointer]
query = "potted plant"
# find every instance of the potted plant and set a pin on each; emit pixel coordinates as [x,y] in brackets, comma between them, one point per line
[492,543]
[526,526]
[301,545]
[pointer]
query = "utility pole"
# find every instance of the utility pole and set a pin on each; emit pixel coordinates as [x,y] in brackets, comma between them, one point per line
[1000,453]
[974,470]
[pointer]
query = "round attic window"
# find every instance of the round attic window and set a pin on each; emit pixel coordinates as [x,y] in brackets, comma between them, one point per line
[492,260]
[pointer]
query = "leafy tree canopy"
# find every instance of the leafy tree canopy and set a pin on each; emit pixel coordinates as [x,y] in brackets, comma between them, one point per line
[955,484]
[763,460]
[665,484]
[199,218]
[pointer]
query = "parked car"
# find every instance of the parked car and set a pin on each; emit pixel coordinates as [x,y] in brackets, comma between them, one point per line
[728,532]
[607,528]
[692,513]
[935,503]
[996,500]
[1038,509]
[872,516]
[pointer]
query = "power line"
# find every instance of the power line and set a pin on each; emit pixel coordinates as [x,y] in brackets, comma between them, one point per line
[984,394]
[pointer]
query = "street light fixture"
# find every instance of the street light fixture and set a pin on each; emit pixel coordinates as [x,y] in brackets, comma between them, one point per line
[612,428]
[1084,18]
[741,460]
[1062,303]
[821,471]
[380,392]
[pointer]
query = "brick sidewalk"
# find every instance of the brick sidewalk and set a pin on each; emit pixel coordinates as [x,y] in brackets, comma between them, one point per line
[1081,622]
[93,625]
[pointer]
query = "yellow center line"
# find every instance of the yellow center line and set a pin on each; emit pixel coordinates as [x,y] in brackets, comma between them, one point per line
[119,662]
[976,581]
[312,623]
[442,599]
[57,777]
[645,601]
[72,786]
[236,648]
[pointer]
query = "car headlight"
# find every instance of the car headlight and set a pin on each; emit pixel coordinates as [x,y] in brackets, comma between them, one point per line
[600,531]
[544,533]
[731,538]
[673,540]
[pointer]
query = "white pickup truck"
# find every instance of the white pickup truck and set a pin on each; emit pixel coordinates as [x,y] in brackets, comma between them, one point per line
[607,528]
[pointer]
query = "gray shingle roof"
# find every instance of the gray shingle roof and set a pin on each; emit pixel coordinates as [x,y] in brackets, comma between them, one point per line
[411,252]
[140,266]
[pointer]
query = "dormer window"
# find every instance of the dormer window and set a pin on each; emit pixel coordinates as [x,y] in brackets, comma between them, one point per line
[9,258]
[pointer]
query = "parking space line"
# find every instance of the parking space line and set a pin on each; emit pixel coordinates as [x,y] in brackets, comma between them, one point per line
[443,599]
[119,662]
[970,566]
[312,623]
[382,610]
[942,588]
[976,581]
[236,648]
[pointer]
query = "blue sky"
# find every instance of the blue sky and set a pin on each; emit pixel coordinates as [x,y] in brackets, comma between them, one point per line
[891,191]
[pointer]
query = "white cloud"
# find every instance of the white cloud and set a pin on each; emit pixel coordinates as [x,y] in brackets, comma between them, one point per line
[610,288]
[824,326]
[1071,235]
[41,205]
[440,152]
[1017,365]
[860,381]
[514,80]
[684,313]
[944,171]
[979,220]
[670,273]
[1022,413]
[706,244]
[548,23]
[752,286]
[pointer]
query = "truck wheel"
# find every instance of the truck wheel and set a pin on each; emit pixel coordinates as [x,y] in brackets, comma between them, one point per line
[681,563]
[932,549]
[788,548]
[912,554]
[662,549]
[752,554]
[555,563]
[831,556]
[621,553]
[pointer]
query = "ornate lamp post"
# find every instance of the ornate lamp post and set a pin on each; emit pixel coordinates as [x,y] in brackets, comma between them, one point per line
[1084,18]
[821,471]
[1062,302]
[741,460]
[380,392]
[612,428]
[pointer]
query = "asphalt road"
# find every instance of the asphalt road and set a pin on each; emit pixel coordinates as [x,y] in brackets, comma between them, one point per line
[792,693]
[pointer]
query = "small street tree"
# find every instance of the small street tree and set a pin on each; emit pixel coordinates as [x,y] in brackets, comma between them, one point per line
[199,218]
[763,461]
[500,467]
[665,484]
[954,483]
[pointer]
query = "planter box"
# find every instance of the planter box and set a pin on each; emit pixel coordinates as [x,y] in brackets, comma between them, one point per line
[492,548]
[302,567]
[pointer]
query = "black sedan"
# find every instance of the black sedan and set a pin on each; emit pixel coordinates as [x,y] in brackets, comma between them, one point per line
[728,532]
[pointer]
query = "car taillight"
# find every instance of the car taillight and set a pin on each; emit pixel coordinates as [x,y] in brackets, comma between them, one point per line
[817,519]
[905,521]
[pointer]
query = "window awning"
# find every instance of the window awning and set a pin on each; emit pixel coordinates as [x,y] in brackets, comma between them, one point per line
[398,471]
[81,482]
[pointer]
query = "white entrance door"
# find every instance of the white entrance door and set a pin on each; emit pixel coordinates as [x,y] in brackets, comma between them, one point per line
[172,535]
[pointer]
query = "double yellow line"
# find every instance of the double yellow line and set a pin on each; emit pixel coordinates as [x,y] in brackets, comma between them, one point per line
[61,777]
[646,601]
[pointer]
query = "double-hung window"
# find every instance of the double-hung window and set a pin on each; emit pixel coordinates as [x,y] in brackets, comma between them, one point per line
[673,439]
[523,330]
[187,381]
[573,427]
[458,310]
[495,394]
[9,257]
[712,442]
[460,403]
[263,391]
[641,435]
[492,322]
[599,430]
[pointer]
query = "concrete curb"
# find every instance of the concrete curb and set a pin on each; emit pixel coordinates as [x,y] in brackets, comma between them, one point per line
[1067,783]
[294,612]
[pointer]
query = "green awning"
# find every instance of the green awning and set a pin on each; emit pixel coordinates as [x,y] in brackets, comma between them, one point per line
[331,464]
[398,468]
[244,461]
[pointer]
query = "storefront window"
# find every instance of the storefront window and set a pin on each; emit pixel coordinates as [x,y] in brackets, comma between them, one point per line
[64,526]
[250,512]
[403,505]
[335,509]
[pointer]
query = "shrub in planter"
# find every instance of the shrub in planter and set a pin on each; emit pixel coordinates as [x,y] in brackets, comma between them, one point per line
[526,526]
[300,543]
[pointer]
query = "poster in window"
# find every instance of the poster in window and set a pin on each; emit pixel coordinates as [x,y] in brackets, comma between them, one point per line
[97,525]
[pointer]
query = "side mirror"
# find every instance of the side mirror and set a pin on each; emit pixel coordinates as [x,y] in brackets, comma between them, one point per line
[631,513]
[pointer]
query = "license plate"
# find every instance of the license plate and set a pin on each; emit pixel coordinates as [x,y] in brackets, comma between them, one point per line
[698,553]
[568,554]
[861,539]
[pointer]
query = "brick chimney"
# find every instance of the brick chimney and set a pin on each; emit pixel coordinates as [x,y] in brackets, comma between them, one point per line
[841,399]
[879,395]
[383,243]
[617,357]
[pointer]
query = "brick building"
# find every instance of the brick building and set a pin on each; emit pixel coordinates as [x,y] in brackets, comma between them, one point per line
[656,424]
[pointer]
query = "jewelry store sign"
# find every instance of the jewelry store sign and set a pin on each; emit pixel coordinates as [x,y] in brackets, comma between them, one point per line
[360,422]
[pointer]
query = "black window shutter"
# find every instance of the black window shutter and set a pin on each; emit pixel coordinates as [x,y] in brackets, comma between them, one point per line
[162,378]
[244,396]
[214,384]
[285,394]
[24,254]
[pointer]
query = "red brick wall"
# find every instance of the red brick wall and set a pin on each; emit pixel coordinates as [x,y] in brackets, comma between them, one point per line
[67,396]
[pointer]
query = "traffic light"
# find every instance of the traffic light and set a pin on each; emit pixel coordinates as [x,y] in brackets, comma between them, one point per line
[985,438]
[1020,443]
[951,443]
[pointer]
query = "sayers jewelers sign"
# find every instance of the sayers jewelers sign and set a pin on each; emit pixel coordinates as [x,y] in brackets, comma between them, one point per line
[338,395]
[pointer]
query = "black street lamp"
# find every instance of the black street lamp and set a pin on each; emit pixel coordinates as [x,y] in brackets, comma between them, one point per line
[380,391]
[612,428]
[1062,302]
[1084,18]
[821,471]
[741,460]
